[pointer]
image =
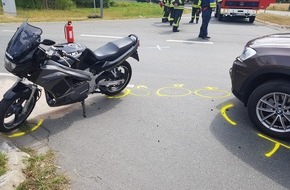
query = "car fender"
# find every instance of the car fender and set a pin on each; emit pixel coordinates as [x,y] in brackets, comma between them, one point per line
[262,76]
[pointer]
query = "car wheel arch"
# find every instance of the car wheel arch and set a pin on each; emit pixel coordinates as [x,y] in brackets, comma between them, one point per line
[258,80]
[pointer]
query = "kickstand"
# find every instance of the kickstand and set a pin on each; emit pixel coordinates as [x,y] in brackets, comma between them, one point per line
[84,108]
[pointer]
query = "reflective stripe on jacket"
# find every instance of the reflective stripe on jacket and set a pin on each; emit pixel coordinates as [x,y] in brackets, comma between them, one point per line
[212,3]
[196,3]
[180,4]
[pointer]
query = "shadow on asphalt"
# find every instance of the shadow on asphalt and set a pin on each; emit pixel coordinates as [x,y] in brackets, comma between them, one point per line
[62,118]
[244,142]
[162,25]
[95,105]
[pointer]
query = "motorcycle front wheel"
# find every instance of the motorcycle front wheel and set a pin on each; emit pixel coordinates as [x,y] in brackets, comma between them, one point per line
[12,114]
[122,72]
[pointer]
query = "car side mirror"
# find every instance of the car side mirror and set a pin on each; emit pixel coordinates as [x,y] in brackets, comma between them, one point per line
[48,42]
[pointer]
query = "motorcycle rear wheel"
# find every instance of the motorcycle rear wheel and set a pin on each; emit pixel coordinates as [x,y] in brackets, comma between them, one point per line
[123,71]
[11,116]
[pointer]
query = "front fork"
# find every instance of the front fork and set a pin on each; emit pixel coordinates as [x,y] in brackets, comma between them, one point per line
[34,89]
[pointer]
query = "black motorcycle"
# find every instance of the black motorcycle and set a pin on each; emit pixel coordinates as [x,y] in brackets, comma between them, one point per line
[67,72]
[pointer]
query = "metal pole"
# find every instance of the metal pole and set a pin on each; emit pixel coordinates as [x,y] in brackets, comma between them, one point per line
[95,7]
[101,7]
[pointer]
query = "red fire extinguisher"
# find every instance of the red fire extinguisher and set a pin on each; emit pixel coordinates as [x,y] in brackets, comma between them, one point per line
[68,32]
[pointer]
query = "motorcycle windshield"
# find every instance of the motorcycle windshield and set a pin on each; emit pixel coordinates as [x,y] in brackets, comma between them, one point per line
[25,39]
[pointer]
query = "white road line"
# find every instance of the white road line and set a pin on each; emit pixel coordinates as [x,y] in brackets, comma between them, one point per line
[100,36]
[6,75]
[156,47]
[190,42]
[8,30]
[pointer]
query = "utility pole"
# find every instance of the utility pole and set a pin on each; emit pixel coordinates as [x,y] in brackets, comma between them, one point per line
[101,7]
[95,12]
[95,7]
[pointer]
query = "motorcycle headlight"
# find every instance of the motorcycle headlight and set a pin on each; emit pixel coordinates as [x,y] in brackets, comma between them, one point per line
[247,53]
[9,65]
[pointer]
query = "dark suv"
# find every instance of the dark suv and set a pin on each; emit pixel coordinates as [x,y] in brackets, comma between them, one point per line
[261,80]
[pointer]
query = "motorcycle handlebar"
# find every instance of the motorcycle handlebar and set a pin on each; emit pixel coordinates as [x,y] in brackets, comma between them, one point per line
[64,54]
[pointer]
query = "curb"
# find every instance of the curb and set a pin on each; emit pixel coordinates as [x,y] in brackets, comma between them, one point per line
[14,176]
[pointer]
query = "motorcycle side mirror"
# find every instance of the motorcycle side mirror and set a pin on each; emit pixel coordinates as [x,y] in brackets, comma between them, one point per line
[48,42]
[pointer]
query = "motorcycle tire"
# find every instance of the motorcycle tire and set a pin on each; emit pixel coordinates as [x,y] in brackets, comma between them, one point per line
[123,71]
[10,115]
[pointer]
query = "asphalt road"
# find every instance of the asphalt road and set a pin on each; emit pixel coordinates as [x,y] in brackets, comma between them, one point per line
[167,130]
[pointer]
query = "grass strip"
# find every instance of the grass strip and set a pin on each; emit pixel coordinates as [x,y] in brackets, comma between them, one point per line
[3,164]
[41,173]
[275,19]
[120,10]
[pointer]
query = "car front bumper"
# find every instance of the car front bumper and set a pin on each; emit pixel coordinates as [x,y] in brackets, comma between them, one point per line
[239,73]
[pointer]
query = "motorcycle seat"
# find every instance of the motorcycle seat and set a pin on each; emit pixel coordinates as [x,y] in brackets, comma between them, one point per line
[115,49]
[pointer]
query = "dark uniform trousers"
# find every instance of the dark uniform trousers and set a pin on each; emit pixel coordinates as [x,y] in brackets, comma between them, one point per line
[172,14]
[195,12]
[206,15]
[177,17]
[166,13]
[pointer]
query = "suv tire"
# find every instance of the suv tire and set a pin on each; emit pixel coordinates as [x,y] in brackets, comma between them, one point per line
[269,108]
[252,19]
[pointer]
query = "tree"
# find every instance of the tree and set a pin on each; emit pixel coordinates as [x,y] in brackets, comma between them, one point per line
[45,4]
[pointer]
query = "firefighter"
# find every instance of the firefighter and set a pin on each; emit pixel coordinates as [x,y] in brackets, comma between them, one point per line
[166,10]
[206,10]
[178,10]
[171,8]
[195,11]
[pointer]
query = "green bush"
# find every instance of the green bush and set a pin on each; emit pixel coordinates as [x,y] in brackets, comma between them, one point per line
[29,4]
[45,4]
[90,3]
[62,4]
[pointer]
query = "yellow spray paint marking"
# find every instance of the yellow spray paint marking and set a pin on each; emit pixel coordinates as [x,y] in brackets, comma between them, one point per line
[19,134]
[130,92]
[212,92]
[177,90]
[122,94]
[176,87]
[141,88]
[276,147]
[223,112]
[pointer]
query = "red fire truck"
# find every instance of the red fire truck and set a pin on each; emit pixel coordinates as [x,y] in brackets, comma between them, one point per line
[240,8]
